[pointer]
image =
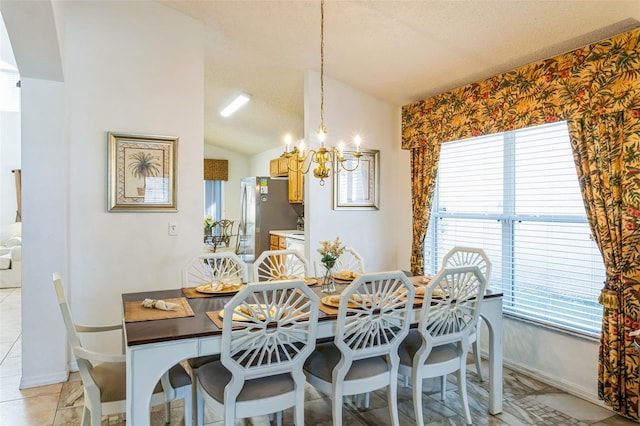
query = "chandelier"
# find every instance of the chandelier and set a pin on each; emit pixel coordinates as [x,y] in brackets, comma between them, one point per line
[325,160]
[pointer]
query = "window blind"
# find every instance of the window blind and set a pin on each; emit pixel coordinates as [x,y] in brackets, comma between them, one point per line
[516,196]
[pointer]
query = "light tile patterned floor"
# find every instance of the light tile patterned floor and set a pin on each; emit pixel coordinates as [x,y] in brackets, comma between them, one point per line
[527,401]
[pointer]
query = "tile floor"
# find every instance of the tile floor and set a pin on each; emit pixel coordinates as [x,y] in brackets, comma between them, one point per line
[526,400]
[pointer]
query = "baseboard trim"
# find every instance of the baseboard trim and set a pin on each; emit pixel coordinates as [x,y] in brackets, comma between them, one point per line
[570,388]
[49,379]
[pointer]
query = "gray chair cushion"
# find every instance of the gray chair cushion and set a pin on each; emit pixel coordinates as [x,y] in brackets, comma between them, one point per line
[412,343]
[195,363]
[326,356]
[111,379]
[178,376]
[214,377]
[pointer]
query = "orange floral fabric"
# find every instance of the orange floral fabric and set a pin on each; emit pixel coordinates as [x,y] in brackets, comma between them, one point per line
[597,90]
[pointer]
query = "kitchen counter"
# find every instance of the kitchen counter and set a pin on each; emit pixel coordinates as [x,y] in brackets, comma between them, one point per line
[293,234]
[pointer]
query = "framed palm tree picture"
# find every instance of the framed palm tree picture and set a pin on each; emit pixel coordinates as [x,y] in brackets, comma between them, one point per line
[142,172]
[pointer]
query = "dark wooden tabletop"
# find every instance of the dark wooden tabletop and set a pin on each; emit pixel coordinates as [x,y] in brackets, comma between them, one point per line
[145,332]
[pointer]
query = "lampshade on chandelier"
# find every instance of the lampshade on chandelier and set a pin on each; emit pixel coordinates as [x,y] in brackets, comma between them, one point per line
[326,160]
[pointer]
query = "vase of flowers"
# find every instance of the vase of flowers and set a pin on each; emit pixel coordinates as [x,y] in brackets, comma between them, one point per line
[329,252]
[208,223]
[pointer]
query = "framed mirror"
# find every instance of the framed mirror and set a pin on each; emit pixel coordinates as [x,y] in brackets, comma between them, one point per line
[358,189]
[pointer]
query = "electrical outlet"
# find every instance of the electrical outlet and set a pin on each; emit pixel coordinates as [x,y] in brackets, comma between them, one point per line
[173,228]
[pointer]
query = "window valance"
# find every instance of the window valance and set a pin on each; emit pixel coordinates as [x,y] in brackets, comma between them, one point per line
[601,78]
[216,169]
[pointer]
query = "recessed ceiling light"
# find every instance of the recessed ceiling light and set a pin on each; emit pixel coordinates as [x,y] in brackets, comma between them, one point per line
[240,100]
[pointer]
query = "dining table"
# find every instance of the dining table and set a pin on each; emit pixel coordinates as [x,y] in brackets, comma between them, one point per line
[157,342]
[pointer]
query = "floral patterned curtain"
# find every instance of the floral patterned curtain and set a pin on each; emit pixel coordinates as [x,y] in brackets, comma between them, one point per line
[607,153]
[424,168]
[597,89]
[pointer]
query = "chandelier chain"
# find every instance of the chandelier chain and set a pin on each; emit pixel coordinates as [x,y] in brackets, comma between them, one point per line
[322,128]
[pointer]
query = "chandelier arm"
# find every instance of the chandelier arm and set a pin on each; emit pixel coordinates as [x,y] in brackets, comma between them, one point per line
[341,164]
[303,165]
[296,159]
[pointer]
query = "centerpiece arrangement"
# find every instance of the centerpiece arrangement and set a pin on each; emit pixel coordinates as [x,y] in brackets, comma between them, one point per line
[330,252]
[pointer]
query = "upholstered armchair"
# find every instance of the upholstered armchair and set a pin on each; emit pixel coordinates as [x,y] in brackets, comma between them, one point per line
[11,263]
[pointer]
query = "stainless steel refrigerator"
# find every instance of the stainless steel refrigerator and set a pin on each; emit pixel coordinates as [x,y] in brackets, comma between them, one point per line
[265,207]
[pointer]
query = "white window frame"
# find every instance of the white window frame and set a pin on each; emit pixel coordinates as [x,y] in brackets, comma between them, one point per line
[503,278]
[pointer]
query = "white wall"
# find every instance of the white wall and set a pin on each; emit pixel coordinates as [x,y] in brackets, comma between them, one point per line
[565,361]
[129,67]
[239,167]
[45,231]
[375,234]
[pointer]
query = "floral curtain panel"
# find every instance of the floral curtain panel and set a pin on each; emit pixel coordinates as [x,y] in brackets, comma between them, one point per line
[597,89]
[424,169]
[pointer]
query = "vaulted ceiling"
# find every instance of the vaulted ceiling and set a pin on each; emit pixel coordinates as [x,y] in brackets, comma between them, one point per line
[397,51]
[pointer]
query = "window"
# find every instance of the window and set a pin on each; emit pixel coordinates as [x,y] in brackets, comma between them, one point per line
[516,195]
[213,199]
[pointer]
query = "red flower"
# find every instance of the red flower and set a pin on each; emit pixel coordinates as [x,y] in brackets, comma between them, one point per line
[476,132]
[474,98]
[548,78]
[550,118]
[637,214]
[627,321]
[630,211]
[581,92]
[631,226]
[635,113]
[564,73]
[485,95]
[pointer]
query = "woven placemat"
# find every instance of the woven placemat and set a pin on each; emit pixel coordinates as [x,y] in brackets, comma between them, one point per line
[215,317]
[135,312]
[192,293]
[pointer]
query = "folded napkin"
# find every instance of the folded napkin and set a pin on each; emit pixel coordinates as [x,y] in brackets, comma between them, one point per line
[159,304]
[220,285]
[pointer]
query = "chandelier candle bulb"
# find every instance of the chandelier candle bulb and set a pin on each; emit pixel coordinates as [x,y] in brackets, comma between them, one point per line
[287,140]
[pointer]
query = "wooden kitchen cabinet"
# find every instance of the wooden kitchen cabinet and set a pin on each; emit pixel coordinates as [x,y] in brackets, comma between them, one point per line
[296,186]
[273,242]
[277,242]
[278,167]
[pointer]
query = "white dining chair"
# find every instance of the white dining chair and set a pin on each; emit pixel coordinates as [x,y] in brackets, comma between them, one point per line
[440,344]
[373,318]
[210,267]
[104,375]
[202,270]
[461,256]
[268,331]
[272,265]
[349,261]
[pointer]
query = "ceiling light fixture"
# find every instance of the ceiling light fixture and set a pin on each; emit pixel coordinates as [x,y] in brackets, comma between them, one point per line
[334,157]
[235,105]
